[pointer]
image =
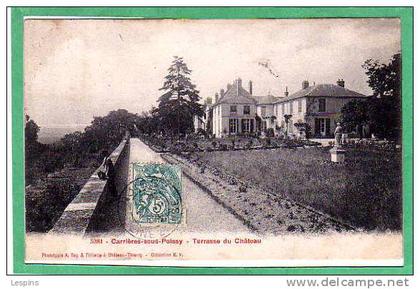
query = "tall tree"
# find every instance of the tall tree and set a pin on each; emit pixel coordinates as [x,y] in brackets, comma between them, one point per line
[32,146]
[382,111]
[385,105]
[31,131]
[354,115]
[384,78]
[179,103]
[107,132]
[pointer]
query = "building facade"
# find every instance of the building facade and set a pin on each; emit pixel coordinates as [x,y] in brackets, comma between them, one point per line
[234,111]
[238,111]
[318,106]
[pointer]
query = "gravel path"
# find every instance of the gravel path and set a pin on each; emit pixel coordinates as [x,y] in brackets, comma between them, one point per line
[203,213]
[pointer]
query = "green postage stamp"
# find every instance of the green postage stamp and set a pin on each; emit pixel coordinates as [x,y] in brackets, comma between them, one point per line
[156,192]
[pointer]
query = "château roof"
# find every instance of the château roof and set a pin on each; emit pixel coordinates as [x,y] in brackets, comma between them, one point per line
[236,94]
[266,99]
[323,90]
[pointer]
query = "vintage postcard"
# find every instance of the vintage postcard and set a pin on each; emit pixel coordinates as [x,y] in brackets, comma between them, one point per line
[215,143]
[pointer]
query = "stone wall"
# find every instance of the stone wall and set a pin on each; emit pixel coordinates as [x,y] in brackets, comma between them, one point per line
[95,208]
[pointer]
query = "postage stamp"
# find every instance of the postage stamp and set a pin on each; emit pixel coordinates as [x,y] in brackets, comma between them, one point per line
[152,203]
[156,192]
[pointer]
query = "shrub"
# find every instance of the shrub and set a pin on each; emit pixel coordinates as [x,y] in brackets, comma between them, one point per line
[201,132]
[270,132]
[249,144]
[223,147]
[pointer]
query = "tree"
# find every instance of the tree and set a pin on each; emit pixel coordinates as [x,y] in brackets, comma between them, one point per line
[179,103]
[105,133]
[147,123]
[385,106]
[303,127]
[354,115]
[31,131]
[209,125]
[385,78]
[32,147]
[382,111]
[71,141]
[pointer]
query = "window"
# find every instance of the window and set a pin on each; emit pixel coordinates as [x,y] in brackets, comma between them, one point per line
[247,109]
[321,105]
[263,111]
[233,108]
[233,125]
[282,109]
[291,107]
[264,125]
[299,105]
[322,126]
[246,125]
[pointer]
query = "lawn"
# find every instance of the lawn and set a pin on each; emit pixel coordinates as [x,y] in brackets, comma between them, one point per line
[365,191]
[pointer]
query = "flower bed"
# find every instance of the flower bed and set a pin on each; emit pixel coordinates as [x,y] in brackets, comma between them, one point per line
[195,143]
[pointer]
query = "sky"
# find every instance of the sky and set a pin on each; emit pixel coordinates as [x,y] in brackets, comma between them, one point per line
[78,69]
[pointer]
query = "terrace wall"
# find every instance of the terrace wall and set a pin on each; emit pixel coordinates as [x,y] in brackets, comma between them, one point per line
[88,210]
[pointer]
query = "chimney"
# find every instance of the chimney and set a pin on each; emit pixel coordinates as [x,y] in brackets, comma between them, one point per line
[238,86]
[250,87]
[286,93]
[305,84]
[209,100]
[216,97]
[239,82]
[340,82]
[222,92]
[229,86]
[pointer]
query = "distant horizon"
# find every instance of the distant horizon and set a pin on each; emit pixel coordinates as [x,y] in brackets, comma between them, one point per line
[49,135]
[63,125]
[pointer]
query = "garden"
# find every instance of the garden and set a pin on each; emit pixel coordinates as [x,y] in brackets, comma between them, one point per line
[199,143]
[365,191]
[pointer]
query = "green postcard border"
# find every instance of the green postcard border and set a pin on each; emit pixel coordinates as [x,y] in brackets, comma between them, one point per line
[17,18]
